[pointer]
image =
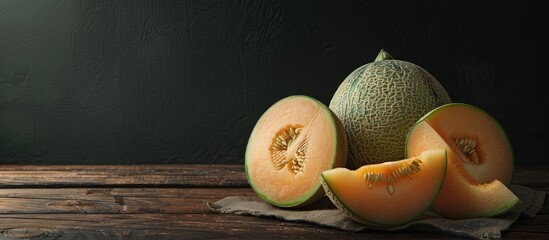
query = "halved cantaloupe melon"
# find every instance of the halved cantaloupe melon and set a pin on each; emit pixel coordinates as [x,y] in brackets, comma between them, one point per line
[390,193]
[291,144]
[480,160]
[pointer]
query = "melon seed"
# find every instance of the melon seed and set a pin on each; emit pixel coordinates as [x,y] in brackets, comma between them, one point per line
[467,147]
[405,170]
[282,141]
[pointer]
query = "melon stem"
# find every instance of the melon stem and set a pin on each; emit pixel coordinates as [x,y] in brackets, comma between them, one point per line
[383,56]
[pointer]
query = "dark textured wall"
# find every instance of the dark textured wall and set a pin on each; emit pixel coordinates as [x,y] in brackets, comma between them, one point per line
[99,81]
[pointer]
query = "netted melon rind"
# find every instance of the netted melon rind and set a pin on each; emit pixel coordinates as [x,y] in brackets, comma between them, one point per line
[379,102]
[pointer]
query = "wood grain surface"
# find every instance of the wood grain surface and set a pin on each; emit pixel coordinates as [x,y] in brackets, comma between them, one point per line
[169,202]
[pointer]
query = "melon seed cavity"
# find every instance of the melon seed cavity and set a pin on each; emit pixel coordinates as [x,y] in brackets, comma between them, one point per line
[468,147]
[404,172]
[280,155]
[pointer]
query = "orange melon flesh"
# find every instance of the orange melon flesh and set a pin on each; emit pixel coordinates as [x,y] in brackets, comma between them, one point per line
[471,189]
[325,147]
[377,206]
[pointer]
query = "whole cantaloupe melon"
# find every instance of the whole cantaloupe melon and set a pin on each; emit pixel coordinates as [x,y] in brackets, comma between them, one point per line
[379,102]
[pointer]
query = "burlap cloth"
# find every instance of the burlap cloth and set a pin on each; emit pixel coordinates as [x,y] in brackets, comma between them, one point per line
[324,213]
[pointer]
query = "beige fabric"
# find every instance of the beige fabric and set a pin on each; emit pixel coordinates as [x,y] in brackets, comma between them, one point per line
[324,213]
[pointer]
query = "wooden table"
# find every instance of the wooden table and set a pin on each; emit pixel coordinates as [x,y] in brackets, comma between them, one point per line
[169,202]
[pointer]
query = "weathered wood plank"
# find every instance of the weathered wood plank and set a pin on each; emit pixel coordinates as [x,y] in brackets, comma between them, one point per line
[21,205]
[113,200]
[123,175]
[200,226]
[123,200]
[537,176]
[168,202]
[176,226]
[539,224]
[524,235]
[219,175]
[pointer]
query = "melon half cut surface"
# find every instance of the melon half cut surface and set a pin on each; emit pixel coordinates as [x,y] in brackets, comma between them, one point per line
[480,160]
[390,193]
[295,140]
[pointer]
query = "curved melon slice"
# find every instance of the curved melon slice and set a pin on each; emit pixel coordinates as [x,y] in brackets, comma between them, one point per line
[480,160]
[291,144]
[390,193]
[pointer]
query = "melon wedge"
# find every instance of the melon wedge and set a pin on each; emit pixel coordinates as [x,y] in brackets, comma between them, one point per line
[389,193]
[295,140]
[480,160]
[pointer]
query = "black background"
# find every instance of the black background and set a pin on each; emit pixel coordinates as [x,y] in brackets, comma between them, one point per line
[99,81]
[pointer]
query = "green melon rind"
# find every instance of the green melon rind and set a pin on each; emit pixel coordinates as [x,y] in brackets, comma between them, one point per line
[355,217]
[316,192]
[500,210]
[504,209]
[346,211]
[427,116]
